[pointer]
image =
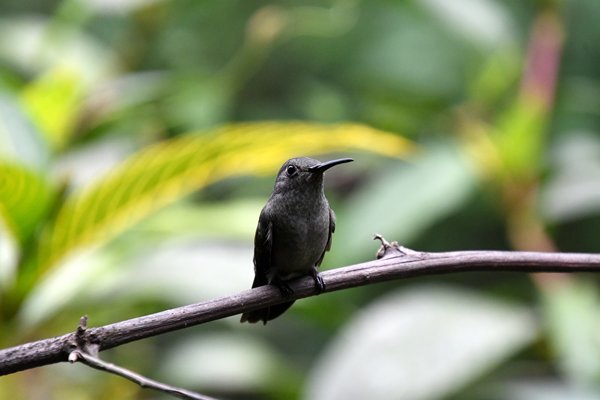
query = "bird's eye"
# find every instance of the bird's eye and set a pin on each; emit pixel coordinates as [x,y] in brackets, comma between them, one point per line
[291,170]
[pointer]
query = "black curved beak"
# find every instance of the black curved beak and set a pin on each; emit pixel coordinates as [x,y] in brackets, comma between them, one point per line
[324,166]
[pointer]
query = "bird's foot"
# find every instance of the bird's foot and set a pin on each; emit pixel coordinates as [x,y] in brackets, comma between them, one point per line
[319,282]
[284,288]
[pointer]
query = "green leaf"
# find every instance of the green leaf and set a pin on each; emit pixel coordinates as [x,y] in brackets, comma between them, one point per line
[496,79]
[548,388]
[24,199]
[571,311]
[520,138]
[403,201]
[482,22]
[174,236]
[53,102]
[509,152]
[229,219]
[245,362]
[165,172]
[423,343]
[572,192]
[19,139]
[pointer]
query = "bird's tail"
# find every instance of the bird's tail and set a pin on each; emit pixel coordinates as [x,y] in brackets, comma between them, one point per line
[266,314]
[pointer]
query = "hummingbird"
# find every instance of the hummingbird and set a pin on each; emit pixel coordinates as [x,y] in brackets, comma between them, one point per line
[293,233]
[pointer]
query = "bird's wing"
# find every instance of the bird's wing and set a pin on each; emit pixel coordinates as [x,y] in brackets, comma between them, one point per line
[331,230]
[263,242]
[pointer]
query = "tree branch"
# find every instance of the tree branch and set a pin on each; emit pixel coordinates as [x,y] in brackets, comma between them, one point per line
[96,363]
[397,263]
[86,354]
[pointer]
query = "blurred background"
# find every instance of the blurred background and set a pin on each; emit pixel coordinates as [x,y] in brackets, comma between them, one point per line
[139,140]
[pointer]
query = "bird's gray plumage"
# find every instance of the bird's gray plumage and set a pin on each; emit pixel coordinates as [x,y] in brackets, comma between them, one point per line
[294,231]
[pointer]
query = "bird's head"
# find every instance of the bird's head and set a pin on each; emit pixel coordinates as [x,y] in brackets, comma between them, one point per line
[305,172]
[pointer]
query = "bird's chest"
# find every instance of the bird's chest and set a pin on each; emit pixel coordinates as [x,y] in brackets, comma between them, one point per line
[300,235]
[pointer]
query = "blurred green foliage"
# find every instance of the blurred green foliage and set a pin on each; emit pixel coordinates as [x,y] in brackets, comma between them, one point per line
[139,140]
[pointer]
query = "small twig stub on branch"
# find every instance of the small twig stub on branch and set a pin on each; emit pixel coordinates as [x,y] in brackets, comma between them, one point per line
[81,354]
[388,249]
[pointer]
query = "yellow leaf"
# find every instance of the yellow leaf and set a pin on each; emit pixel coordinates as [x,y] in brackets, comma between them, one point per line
[24,199]
[164,172]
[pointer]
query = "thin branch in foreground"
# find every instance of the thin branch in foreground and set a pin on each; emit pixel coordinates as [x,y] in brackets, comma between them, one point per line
[81,355]
[397,263]
[96,363]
